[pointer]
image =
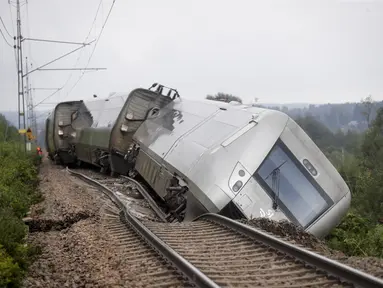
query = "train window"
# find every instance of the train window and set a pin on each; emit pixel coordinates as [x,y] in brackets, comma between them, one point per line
[291,187]
[153,113]
[74,115]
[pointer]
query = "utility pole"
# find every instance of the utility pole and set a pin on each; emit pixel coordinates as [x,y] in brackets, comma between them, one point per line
[20,74]
[26,93]
[31,119]
[20,78]
[34,120]
[27,96]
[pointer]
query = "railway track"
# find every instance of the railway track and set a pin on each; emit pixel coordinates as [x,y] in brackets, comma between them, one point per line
[214,251]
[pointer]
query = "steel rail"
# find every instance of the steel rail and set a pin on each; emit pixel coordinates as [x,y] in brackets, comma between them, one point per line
[150,200]
[188,269]
[332,267]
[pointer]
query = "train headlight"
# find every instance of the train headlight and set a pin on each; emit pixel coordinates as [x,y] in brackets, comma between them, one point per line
[310,167]
[61,132]
[238,177]
[237,186]
[124,128]
[129,116]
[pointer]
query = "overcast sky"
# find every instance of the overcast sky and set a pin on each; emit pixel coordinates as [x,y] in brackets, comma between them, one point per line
[278,51]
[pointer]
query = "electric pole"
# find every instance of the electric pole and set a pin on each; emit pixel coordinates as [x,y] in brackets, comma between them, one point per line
[31,119]
[19,39]
[26,93]
[20,78]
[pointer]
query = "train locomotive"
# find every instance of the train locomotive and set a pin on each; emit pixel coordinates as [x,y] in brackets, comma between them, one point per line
[208,156]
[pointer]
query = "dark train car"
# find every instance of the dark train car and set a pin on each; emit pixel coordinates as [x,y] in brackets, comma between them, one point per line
[60,128]
[141,104]
[108,141]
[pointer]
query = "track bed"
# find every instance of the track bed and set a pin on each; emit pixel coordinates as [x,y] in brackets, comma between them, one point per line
[226,253]
[233,260]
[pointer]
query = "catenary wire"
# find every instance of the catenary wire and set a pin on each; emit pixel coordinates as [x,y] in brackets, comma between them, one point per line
[94,48]
[5,39]
[78,58]
[5,27]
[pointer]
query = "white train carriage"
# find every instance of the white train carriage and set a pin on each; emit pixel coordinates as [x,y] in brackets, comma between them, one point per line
[240,161]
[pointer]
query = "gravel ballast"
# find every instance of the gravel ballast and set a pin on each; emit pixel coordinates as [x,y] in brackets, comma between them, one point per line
[77,248]
[296,235]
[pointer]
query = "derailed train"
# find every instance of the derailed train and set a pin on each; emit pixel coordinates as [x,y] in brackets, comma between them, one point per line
[204,156]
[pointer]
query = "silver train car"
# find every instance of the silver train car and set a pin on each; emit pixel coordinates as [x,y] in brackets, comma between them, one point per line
[60,131]
[240,161]
[106,142]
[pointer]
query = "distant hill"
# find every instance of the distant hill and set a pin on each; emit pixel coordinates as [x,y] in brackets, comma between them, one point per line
[344,117]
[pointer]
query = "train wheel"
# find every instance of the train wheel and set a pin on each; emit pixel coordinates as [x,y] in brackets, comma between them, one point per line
[132,173]
[113,174]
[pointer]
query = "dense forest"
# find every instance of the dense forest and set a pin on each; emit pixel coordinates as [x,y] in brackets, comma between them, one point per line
[358,156]
[344,117]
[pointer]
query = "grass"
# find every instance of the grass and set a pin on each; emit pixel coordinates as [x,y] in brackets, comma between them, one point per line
[18,191]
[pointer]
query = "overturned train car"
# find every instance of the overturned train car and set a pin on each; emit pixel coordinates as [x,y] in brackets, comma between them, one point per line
[60,131]
[208,156]
[107,142]
[240,161]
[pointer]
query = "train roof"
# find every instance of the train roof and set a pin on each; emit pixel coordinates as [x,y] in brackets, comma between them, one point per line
[200,103]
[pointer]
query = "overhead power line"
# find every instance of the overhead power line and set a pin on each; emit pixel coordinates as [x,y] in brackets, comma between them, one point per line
[5,27]
[5,39]
[94,20]
[10,13]
[102,29]
[46,98]
[50,62]
[67,69]
[95,45]
[53,41]
[77,60]
[13,30]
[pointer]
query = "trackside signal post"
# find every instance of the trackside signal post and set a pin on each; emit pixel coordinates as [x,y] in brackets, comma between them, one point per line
[29,136]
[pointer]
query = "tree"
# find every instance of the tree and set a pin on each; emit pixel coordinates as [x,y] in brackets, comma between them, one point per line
[318,132]
[7,131]
[224,97]
[368,105]
[372,147]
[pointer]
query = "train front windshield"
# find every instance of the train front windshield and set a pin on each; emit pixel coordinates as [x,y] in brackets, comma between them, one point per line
[292,188]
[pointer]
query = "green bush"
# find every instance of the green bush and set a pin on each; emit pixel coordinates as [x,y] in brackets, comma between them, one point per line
[357,236]
[18,183]
[10,272]
[12,230]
